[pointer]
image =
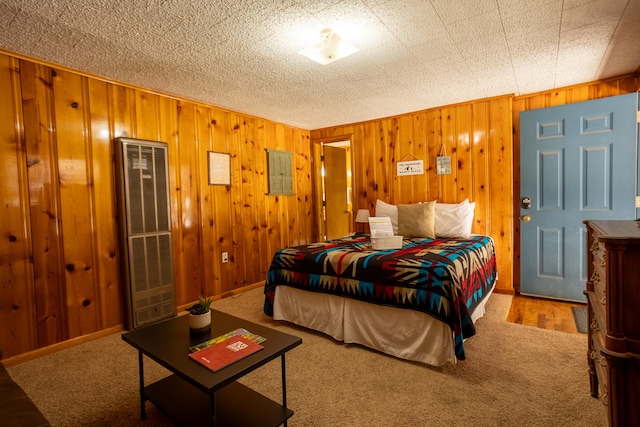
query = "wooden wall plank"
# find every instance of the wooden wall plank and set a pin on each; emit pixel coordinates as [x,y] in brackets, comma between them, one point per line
[44,202]
[289,205]
[434,143]
[302,143]
[71,111]
[147,115]
[464,160]
[207,208]
[123,112]
[384,149]
[480,158]
[169,112]
[392,153]
[248,203]
[366,167]
[189,251]
[500,224]
[222,207]
[237,248]
[18,333]
[420,183]
[106,227]
[448,188]
[404,185]
[260,186]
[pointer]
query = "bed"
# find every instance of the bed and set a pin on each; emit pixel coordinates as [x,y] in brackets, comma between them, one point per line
[418,303]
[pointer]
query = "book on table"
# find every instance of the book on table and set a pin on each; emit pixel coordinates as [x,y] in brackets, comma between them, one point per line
[240,331]
[226,352]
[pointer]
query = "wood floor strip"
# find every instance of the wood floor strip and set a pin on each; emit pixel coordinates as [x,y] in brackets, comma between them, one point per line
[543,313]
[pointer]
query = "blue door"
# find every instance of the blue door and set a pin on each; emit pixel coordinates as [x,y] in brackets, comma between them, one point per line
[577,162]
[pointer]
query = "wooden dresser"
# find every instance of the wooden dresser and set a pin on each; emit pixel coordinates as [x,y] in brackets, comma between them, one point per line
[613,295]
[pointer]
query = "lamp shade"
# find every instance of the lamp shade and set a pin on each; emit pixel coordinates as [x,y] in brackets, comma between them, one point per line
[362,215]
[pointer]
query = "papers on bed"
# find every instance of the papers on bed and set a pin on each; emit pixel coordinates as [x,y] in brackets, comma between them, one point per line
[380,226]
[382,234]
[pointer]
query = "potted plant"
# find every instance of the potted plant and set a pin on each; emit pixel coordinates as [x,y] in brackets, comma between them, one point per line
[200,316]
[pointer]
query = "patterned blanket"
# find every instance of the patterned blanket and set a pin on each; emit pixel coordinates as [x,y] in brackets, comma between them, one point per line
[445,278]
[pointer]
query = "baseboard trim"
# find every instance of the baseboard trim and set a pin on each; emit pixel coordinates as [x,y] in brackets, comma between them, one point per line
[231,293]
[34,354]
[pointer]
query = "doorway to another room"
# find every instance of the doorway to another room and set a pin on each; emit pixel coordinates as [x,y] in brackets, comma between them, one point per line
[333,187]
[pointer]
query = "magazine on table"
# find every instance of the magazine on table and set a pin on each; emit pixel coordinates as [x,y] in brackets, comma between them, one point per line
[226,352]
[240,331]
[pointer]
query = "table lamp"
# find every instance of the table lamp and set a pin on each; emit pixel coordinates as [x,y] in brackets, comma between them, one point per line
[362,217]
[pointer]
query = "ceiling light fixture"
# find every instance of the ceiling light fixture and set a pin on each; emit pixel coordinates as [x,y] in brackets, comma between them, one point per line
[329,49]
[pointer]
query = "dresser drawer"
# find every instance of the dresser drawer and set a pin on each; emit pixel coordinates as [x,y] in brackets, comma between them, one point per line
[597,319]
[599,281]
[600,364]
[598,276]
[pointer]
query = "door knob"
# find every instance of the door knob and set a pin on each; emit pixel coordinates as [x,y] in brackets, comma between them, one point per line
[526,218]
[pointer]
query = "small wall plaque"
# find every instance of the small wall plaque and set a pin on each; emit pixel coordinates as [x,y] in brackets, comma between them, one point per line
[412,167]
[219,168]
[443,165]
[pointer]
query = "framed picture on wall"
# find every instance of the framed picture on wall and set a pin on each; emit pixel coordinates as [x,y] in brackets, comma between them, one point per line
[280,172]
[443,165]
[219,168]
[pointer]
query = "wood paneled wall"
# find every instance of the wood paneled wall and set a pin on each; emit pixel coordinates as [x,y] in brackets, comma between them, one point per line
[477,136]
[585,92]
[59,250]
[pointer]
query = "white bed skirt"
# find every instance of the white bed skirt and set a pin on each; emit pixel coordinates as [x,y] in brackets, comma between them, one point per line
[404,333]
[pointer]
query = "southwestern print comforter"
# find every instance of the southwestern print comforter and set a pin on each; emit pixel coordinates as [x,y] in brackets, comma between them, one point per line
[445,278]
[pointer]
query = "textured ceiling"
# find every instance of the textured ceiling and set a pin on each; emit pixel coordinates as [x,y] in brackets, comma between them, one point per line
[414,54]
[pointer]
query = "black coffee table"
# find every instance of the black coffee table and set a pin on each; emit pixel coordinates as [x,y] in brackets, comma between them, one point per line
[195,395]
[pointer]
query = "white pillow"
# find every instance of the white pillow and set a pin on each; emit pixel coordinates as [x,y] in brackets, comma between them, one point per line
[385,209]
[454,220]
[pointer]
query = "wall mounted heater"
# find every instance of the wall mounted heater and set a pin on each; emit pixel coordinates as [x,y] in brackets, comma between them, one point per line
[145,231]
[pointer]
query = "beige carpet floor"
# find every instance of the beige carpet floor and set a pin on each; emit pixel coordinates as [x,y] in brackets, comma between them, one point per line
[514,375]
